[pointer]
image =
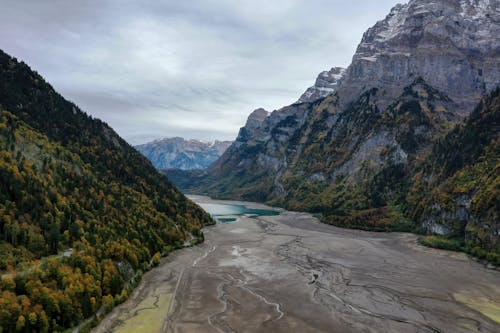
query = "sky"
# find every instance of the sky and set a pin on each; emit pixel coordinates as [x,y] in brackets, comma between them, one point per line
[195,69]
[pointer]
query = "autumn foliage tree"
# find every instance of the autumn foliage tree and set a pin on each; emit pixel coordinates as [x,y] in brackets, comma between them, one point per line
[80,210]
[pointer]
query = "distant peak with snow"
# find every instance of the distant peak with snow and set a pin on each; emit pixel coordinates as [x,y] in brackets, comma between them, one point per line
[325,84]
[180,153]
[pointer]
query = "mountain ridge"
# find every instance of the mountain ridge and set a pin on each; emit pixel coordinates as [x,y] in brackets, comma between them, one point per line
[351,155]
[439,35]
[325,84]
[180,153]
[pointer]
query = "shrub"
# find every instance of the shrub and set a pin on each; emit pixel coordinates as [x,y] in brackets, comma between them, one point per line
[441,242]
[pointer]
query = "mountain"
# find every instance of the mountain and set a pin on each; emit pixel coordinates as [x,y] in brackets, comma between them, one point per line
[452,44]
[352,155]
[179,153]
[77,195]
[456,190]
[325,84]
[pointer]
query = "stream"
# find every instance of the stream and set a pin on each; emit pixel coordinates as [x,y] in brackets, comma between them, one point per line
[277,271]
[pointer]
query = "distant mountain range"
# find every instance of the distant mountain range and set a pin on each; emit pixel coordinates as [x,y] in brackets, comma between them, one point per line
[405,138]
[179,153]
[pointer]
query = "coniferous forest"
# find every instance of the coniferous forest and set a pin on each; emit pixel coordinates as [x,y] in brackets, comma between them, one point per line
[75,194]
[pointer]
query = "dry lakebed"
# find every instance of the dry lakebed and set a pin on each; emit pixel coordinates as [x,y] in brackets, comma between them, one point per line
[290,273]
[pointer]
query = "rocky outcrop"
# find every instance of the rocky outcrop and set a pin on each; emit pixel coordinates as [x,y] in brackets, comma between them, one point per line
[260,143]
[253,124]
[453,45]
[325,84]
[256,118]
[182,154]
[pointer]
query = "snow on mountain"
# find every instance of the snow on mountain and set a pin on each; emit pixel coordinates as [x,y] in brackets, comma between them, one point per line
[179,153]
[454,45]
[325,84]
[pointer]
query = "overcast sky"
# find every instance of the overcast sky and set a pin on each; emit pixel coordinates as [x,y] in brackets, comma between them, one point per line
[188,68]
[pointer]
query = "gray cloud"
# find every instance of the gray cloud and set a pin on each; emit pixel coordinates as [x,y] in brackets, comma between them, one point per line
[189,68]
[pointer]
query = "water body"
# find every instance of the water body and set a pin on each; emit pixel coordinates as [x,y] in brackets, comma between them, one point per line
[290,273]
[229,212]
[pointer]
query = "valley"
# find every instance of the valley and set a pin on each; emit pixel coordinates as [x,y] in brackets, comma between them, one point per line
[338,192]
[289,272]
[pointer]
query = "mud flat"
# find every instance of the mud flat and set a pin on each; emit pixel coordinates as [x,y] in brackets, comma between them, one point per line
[290,273]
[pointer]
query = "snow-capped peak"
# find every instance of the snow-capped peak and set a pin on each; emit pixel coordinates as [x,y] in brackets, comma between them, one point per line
[325,84]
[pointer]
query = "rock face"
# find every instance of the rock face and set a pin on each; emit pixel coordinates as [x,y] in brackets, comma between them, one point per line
[453,45]
[182,154]
[253,124]
[353,154]
[325,85]
[321,141]
[456,191]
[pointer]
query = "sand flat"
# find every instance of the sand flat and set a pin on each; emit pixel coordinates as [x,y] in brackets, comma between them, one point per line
[290,273]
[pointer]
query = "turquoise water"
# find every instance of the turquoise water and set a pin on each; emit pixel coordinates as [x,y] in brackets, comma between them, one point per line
[225,219]
[226,213]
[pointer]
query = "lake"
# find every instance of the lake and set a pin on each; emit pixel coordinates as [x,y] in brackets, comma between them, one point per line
[229,212]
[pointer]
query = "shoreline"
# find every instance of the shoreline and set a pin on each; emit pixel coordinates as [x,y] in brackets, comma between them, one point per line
[250,204]
[249,269]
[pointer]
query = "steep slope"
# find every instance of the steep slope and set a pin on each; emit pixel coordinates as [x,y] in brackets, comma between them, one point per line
[179,153]
[69,182]
[325,84]
[250,168]
[367,155]
[351,155]
[456,191]
[452,45]
[341,163]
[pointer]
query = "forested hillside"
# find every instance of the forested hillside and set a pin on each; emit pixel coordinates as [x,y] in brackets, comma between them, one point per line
[456,190]
[69,183]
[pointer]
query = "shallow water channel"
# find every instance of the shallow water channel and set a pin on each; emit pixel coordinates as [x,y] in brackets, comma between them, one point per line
[289,273]
[229,212]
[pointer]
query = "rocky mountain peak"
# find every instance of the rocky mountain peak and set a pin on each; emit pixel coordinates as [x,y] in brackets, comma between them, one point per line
[180,153]
[453,45]
[254,122]
[256,118]
[325,84]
